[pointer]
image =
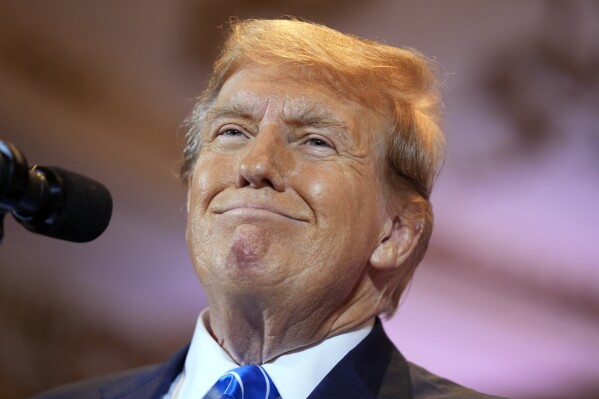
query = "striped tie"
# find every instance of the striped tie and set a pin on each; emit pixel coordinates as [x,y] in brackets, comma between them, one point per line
[246,382]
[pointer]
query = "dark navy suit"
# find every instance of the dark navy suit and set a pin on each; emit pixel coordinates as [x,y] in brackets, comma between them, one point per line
[372,370]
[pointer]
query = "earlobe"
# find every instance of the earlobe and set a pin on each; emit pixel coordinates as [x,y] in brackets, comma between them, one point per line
[398,244]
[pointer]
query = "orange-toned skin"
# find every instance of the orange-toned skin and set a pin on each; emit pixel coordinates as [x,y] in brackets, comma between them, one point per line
[288,225]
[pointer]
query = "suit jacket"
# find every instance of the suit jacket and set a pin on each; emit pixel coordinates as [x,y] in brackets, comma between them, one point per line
[374,369]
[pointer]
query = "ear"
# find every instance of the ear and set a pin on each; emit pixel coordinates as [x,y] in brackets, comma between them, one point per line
[187,198]
[400,238]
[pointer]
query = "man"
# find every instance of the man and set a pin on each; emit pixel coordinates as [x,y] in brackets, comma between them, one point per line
[309,163]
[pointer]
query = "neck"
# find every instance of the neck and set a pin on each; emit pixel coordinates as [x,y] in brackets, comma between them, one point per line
[252,334]
[255,330]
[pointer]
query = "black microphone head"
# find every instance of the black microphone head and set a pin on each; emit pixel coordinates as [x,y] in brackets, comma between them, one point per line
[79,208]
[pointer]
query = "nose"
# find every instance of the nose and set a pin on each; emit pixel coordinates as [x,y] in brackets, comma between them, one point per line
[265,162]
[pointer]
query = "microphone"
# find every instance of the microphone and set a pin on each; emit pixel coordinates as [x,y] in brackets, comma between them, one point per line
[51,201]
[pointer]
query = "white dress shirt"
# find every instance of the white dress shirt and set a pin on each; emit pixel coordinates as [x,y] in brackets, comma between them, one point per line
[295,374]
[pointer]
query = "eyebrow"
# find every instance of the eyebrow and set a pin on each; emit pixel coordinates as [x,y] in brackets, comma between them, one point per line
[314,115]
[229,109]
[298,114]
[319,117]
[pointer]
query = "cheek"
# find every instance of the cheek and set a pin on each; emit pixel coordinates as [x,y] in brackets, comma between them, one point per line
[206,182]
[324,192]
[350,213]
[204,185]
[340,195]
[211,175]
[317,190]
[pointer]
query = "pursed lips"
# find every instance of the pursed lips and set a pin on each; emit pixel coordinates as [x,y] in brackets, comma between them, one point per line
[252,209]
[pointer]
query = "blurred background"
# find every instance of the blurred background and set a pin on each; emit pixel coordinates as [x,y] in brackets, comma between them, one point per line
[507,299]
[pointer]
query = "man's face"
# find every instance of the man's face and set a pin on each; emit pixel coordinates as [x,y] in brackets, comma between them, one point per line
[286,197]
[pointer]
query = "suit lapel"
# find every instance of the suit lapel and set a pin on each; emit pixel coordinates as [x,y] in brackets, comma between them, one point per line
[153,384]
[372,370]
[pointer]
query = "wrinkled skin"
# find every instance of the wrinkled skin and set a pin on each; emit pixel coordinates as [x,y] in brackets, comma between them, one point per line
[286,209]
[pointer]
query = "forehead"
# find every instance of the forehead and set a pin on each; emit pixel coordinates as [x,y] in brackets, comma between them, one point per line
[257,90]
[273,82]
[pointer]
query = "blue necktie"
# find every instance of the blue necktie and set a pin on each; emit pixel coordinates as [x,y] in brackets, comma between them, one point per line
[245,382]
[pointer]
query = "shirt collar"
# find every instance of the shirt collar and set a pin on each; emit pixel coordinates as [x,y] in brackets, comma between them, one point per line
[295,374]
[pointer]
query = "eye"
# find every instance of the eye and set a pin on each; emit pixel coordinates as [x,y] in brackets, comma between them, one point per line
[231,133]
[316,142]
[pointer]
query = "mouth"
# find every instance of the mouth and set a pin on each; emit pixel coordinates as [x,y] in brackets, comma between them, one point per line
[257,211]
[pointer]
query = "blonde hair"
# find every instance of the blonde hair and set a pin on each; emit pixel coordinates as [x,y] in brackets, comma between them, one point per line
[402,78]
